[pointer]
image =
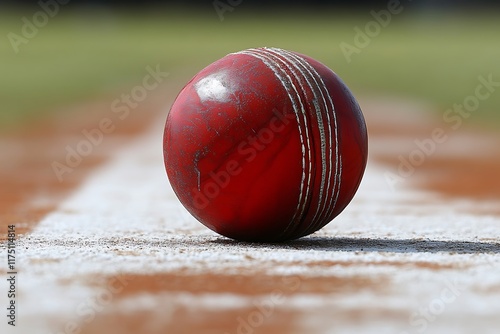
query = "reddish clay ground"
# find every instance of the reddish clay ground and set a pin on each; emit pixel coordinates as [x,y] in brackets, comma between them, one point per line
[471,174]
[30,188]
[26,200]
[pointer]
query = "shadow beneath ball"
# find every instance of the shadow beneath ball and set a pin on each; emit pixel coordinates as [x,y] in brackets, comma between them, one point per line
[373,245]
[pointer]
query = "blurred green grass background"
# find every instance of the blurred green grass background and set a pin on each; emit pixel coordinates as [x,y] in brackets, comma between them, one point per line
[80,56]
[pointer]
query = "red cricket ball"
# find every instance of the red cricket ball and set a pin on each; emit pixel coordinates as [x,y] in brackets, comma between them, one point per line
[265,145]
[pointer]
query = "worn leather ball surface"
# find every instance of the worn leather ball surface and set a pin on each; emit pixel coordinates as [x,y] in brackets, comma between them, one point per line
[265,145]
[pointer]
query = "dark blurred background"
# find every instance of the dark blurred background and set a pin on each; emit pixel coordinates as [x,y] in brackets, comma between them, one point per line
[208,4]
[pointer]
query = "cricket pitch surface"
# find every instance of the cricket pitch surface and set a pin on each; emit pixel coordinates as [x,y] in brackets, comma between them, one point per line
[113,251]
